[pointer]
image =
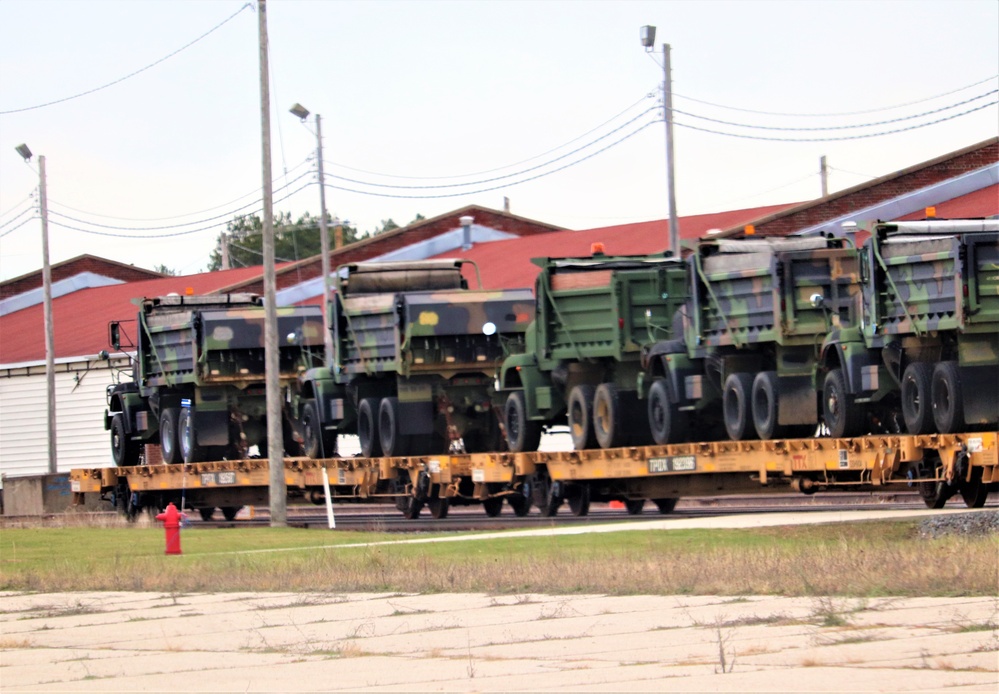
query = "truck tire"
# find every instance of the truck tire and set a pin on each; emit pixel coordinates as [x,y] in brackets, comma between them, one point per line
[580,417]
[736,406]
[946,397]
[522,434]
[608,417]
[666,422]
[168,435]
[367,428]
[765,407]
[124,451]
[917,410]
[394,444]
[842,416]
[319,443]
[187,438]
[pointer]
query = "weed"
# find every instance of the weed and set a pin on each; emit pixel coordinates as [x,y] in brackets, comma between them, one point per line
[724,666]
[10,643]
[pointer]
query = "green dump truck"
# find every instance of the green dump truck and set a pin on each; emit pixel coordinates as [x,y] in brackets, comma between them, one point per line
[583,360]
[415,359]
[925,342]
[758,311]
[198,383]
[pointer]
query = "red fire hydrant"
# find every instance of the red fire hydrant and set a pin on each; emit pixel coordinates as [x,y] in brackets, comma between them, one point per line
[172,518]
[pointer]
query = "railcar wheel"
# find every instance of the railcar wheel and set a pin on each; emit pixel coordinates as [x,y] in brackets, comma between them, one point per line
[124,451]
[580,416]
[917,410]
[947,398]
[736,406]
[521,505]
[168,435]
[206,513]
[229,512]
[608,416]
[187,437]
[393,442]
[765,406]
[319,443]
[934,494]
[579,503]
[438,508]
[522,434]
[411,507]
[842,416]
[665,506]
[367,428]
[547,494]
[974,492]
[634,506]
[493,506]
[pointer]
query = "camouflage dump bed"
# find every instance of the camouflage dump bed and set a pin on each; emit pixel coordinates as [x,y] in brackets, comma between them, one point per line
[764,290]
[937,281]
[206,340]
[604,306]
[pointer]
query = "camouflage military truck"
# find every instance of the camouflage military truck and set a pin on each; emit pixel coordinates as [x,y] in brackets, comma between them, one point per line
[926,340]
[197,385]
[415,360]
[758,311]
[582,364]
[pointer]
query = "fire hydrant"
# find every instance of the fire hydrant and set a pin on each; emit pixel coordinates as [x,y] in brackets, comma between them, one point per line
[172,518]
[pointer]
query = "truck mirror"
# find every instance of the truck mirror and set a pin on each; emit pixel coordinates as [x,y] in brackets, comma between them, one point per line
[115,335]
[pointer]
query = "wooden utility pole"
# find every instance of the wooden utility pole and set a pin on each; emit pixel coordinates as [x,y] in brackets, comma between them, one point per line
[674,223]
[272,362]
[824,175]
[47,310]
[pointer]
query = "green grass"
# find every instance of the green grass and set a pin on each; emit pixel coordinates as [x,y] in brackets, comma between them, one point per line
[851,559]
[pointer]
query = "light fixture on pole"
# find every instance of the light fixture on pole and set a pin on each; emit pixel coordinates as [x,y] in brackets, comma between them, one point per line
[648,38]
[303,113]
[25,153]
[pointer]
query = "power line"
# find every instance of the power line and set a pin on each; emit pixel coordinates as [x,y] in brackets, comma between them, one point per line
[25,211]
[180,216]
[842,127]
[837,139]
[500,168]
[30,197]
[10,231]
[131,74]
[499,187]
[844,113]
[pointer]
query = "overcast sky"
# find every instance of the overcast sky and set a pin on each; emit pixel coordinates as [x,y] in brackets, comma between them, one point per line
[415,94]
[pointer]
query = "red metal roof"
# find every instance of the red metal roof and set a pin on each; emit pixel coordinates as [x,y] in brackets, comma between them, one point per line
[980,203]
[80,319]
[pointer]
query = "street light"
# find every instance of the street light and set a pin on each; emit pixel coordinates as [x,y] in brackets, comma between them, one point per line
[303,113]
[648,39]
[25,153]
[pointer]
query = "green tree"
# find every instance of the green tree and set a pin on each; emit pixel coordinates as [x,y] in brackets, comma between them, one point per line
[293,240]
[164,270]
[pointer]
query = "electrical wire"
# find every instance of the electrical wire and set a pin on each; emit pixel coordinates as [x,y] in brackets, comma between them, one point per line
[29,198]
[10,221]
[836,139]
[131,74]
[844,113]
[181,216]
[10,231]
[500,168]
[224,215]
[843,127]
[499,187]
[504,176]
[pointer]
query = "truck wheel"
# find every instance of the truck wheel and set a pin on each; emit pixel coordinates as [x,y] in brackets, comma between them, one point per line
[367,428]
[842,416]
[608,417]
[736,408]
[581,417]
[946,396]
[917,410]
[765,406]
[666,422]
[522,434]
[124,451]
[394,444]
[168,435]
[319,443]
[190,451]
